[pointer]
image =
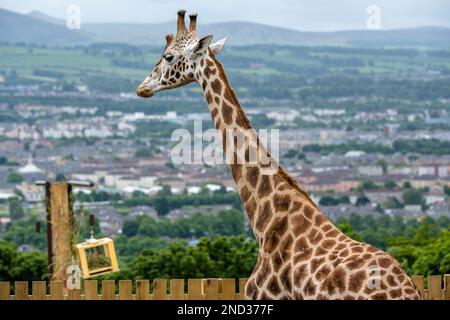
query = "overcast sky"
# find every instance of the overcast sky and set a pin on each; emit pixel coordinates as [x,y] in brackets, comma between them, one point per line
[308,15]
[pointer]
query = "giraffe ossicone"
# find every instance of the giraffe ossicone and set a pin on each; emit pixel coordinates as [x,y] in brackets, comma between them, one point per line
[302,255]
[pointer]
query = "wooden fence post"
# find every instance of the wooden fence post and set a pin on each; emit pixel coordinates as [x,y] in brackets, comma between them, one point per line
[211,289]
[39,290]
[4,290]
[195,291]
[160,289]
[21,290]
[435,287]
[109,290]
[142,290]
[90,290]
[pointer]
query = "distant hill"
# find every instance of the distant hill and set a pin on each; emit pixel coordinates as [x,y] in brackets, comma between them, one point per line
[40,28]
[15,27]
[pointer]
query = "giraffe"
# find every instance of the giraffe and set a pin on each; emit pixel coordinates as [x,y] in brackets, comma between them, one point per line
[302,255]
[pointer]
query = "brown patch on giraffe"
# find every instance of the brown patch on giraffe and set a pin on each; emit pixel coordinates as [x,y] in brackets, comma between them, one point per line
[227,113]
[332,233]
[340,246]
[410,291]
[275,233]
[391,280]
[342,237]
[354,262]
[273,286]
[396,293]
[264,296]
[245,194]
[356,281]
[250,207]
[308,211]
[281,202]
[252,176]
[337,262]
[251,290]
[277,261]
[216,86]
[328,244]
[327,227]
[285,278]
[302,255]
[263,273]
[310,288]
[285,247]
[316,263]
[276,180]
[296,206]
[379,296]
[358,249]
[300,273]
[344,253]
[208,98]
[300,223]
[349,297]
[397,270]
[207,72]
[210,63]
[367,256]
[321,297]
[314,236]
[371,248]
[236,170]
[264,216]
[322,273]
[264,187]
[384,262]
[217,100]
[335,281]
[320,218]
[320,251]
[214,111]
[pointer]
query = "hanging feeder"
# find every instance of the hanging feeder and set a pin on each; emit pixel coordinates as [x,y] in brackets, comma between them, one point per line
[97,257]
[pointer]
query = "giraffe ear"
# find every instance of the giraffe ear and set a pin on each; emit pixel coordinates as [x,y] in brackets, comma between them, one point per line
[216,47]
[202,44]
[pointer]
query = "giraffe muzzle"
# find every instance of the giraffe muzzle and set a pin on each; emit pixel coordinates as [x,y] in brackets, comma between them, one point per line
[144,92]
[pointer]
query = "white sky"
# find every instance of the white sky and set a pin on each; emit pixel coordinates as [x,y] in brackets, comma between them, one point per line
[307,15]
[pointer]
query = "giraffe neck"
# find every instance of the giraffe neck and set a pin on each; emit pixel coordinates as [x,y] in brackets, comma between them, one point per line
[255,180]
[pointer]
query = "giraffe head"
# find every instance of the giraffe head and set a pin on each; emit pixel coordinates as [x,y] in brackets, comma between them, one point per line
[179,60]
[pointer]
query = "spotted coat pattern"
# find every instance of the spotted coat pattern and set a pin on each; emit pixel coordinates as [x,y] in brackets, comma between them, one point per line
[302,255]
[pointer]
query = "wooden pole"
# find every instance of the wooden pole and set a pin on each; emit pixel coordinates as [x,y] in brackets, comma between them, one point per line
[60,229]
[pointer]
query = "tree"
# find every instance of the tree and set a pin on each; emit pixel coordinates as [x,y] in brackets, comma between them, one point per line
[14,177]
[393,203]
[362,201]
[413,196]
[130,228]
[389,184]
[346,228]
[15,208]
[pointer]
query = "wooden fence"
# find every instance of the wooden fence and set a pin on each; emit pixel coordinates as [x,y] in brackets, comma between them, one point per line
[438,288]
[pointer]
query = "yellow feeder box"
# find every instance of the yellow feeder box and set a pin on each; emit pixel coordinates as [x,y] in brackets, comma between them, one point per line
[97,257]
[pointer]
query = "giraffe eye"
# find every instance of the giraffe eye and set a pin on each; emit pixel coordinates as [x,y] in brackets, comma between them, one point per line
[168,58]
